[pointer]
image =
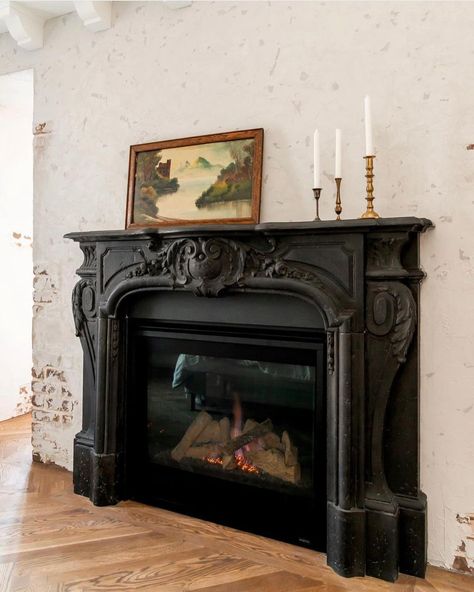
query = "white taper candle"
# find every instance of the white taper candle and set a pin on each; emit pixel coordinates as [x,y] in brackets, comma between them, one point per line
[338,164]
[369,140]
[317,161]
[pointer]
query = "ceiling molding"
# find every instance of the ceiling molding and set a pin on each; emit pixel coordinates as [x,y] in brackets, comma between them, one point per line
[24,19]
[96,16]
[24,25]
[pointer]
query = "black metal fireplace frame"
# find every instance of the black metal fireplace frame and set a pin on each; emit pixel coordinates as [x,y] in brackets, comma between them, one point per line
[300,520]
[363,277]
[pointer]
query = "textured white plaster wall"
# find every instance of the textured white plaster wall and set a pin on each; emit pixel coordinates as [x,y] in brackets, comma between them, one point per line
[16,227]
[288,67]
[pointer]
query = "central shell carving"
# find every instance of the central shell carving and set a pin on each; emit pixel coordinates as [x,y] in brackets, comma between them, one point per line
[205,260]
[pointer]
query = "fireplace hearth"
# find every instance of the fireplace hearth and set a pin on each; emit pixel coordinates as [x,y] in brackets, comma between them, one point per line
[264,377]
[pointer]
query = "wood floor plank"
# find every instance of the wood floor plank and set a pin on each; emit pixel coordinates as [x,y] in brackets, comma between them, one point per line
[173,572]
[6,570]
[280,581]
[54,541]
[84,560]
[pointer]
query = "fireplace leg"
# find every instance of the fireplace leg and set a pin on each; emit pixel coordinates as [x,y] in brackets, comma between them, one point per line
[82,467]
[95,475]
[382,545]
[413,540]
[346,540]
[104,479]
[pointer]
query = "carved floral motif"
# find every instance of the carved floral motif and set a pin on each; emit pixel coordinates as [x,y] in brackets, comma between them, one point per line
[114,338]
[209,266]
[330,352]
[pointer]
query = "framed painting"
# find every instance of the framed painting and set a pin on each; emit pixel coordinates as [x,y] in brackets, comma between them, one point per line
[206,179]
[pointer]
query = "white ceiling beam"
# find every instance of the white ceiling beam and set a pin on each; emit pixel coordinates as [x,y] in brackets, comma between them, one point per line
[24,25]
[96,16]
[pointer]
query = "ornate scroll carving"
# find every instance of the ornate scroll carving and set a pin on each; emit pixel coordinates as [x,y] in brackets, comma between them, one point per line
[391,323]
[391,309]
[83,303]
[84,312]
[209,266]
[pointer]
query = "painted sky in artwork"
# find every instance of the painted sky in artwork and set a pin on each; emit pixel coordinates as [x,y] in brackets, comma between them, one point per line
[216,153]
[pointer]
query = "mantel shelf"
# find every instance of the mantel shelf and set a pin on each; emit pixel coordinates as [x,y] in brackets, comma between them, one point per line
[403,224]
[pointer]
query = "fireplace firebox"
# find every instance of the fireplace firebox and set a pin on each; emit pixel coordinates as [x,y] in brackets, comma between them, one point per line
[264,377]
[229,424]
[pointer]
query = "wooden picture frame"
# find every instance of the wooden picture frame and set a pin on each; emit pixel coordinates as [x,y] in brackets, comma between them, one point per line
[185,181]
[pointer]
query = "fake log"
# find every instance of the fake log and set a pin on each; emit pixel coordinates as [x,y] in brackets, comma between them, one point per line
[259,430]
[201,451]
[191,435]
[210,439]
[273,463]
[211,433]
[250,424]
[224,427]
[229,462]
[291,452]
[271,440]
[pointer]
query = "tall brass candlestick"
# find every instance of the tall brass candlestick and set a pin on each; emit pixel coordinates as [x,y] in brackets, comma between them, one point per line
[338,208]
[317,195]
[369,175]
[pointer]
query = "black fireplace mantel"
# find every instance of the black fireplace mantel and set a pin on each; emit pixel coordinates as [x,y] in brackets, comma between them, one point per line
[364,277]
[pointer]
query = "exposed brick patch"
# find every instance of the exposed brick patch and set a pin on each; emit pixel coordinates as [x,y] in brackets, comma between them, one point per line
[44,288]
[464,556]
[52,411]
[24,405]
[52,400]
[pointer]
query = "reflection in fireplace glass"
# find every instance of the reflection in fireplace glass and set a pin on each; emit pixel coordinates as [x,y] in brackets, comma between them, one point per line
[235,419]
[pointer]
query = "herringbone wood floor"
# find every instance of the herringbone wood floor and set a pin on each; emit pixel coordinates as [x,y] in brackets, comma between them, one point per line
[52,540]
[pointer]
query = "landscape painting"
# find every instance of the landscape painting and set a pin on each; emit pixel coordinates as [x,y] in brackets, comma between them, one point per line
[207,179]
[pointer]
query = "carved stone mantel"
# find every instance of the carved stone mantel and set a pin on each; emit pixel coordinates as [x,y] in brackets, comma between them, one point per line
[363,276]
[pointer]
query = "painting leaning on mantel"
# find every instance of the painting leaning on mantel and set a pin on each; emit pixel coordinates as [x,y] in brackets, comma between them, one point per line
[213,178]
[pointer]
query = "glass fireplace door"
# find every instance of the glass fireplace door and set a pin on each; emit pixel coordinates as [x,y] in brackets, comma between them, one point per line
[230,425]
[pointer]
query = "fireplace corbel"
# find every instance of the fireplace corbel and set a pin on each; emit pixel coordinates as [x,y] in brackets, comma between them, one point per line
[363,277]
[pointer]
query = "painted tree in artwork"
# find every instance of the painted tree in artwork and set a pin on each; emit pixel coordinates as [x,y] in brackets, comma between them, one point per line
[147,180]
[146,167]
[234,182]
[242,155]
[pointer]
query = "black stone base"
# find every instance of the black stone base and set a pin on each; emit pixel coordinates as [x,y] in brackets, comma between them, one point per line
[413,539]
[104,479]
[344,552]
[382,545]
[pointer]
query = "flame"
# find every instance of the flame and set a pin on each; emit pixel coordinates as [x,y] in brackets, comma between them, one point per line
[242,463]
[237,422]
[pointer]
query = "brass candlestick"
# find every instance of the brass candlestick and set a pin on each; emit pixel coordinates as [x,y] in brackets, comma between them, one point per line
[338,208]
[369,175]
[317,195]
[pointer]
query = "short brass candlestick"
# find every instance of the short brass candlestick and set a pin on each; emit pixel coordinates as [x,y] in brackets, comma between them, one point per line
[369,175]
[338,208]
[317,195]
